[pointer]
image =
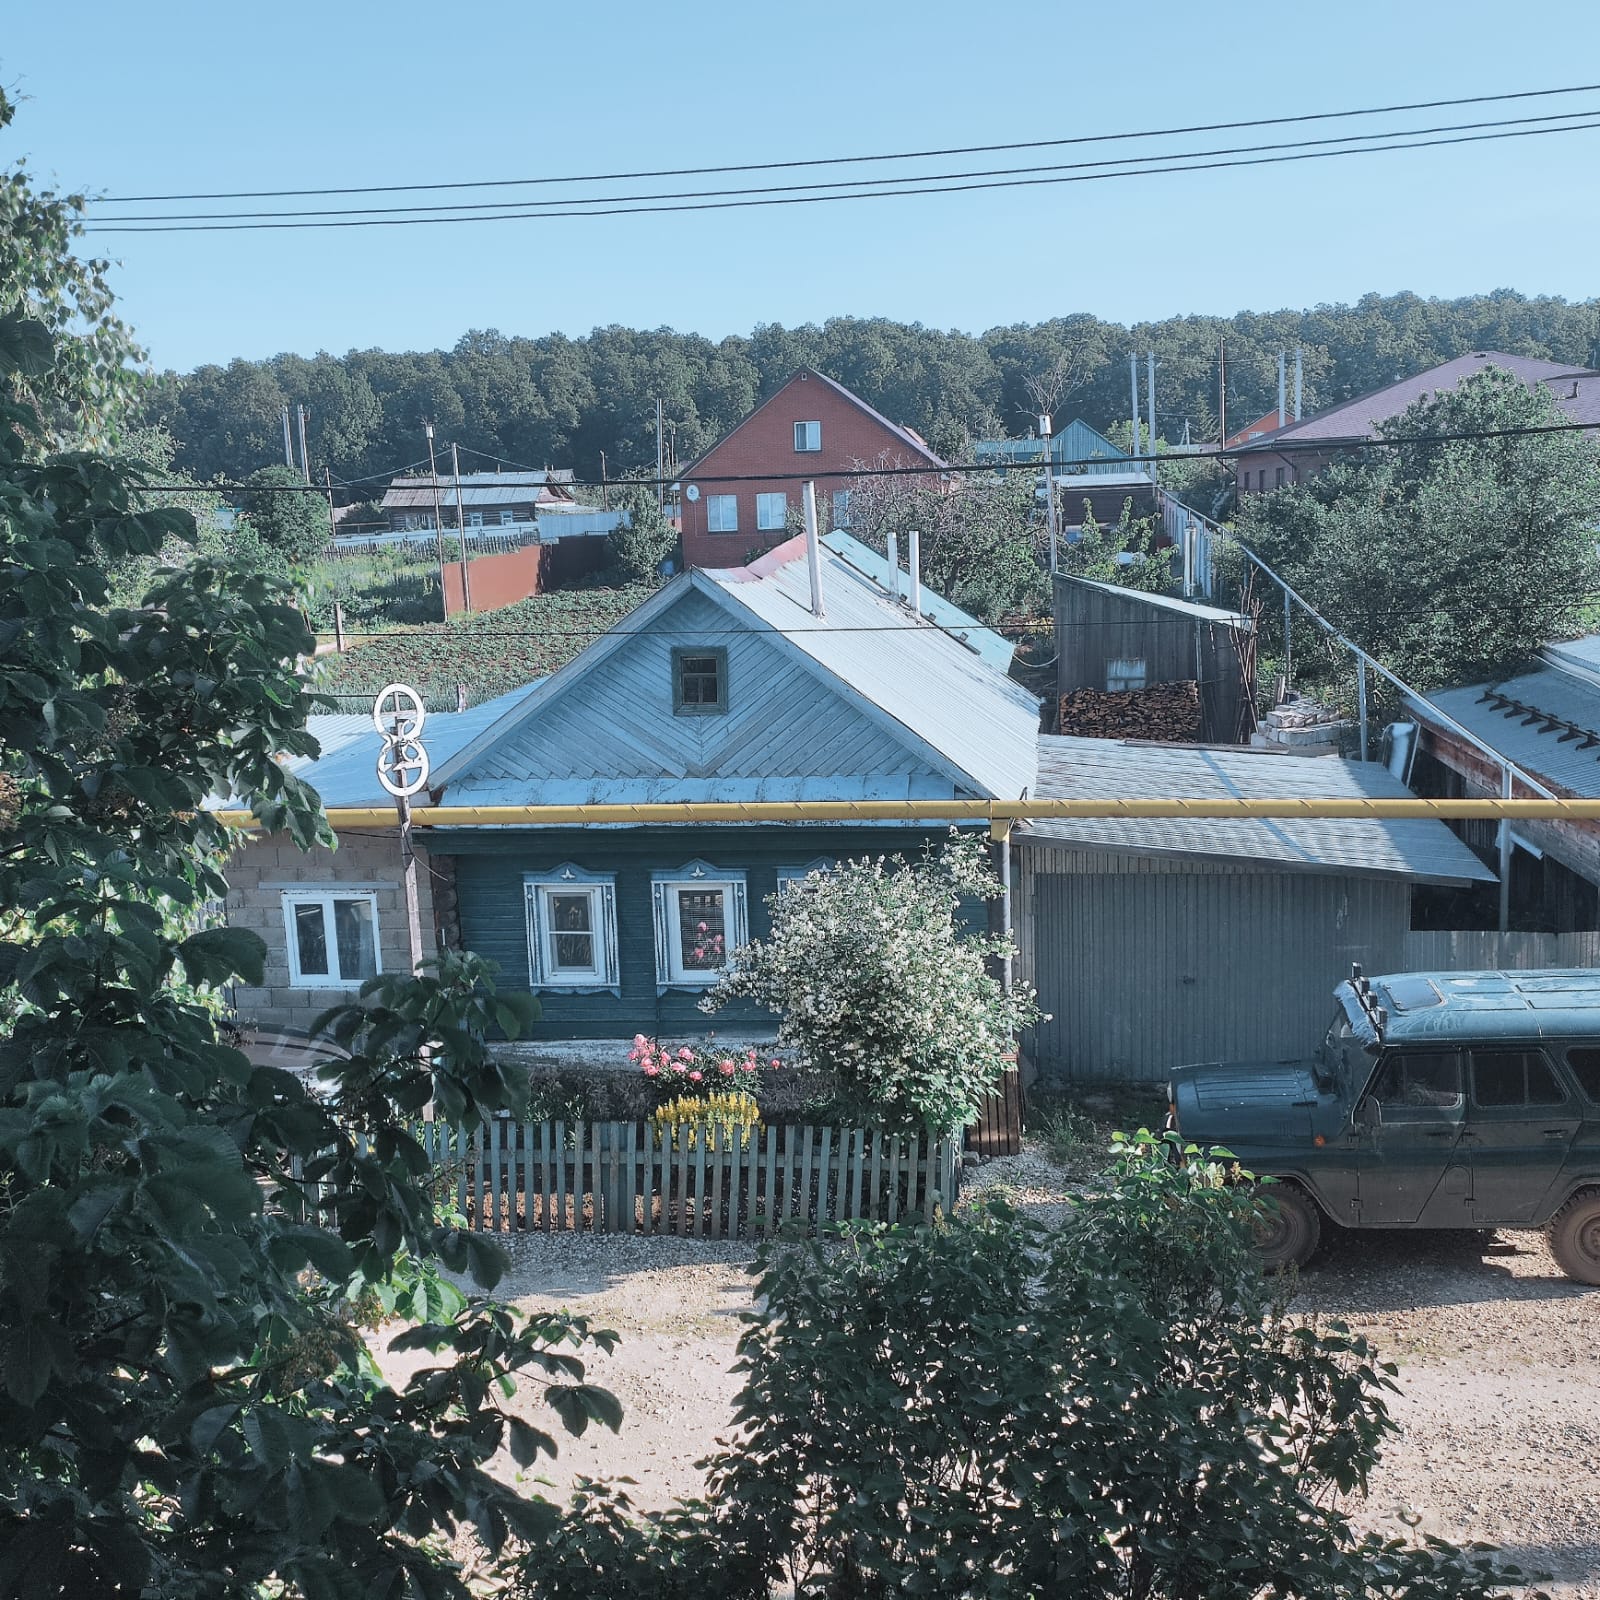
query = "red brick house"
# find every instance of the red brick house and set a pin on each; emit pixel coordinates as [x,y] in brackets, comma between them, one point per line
[736,498]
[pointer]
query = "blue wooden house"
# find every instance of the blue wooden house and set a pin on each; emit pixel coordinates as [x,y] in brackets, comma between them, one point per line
[727,684]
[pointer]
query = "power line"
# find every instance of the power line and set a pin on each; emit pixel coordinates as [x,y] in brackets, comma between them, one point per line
[836,161]
[461,210]
[603,210]
[950,468]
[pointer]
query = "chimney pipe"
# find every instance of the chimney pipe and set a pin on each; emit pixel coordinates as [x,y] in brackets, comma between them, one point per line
[914,558]
[808,502]
[894,565]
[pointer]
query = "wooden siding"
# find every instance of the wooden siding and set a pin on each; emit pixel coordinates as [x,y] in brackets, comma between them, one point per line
[489,884]
[1145,964]
[1469,950]
[1095,628]
[783,719]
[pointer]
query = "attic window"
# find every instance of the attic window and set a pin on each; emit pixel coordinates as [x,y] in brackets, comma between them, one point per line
[807,437]
[699,681]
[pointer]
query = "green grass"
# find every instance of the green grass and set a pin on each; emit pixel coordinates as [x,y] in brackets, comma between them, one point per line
[491,652]
[1074,1122]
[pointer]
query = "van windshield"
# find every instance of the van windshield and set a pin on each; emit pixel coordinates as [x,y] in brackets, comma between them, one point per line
[1333,1053]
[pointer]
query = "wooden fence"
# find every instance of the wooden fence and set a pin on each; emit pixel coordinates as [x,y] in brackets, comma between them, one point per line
[998,1130]
[1469,951]
[618,1177]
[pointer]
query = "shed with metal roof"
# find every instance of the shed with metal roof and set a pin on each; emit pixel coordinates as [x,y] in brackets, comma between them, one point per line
[1153,943]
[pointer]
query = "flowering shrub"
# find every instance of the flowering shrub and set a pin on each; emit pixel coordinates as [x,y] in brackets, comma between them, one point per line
[707,1069]
[690,1120]
[875,980]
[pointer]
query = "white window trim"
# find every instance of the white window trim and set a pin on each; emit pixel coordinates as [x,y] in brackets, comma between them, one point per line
[763,504]
[718,499]
[325,896]
[791,877]
[736,921]
[807,449]
[602,890]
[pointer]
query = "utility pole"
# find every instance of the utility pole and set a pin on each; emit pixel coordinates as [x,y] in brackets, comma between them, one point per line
[333,535]
[1283,410]
[438,524]
[1133,386]
[305,461]
[661,487]
[1222,393]
[1049,489]
[461,528]
[605,488]
[1150,408]
[1299,378]
[288,447]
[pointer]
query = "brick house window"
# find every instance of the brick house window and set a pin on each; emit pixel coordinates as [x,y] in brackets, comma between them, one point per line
[699,681]
[772,512]
[722,513]
[332,937]
[572,930]
[1126,672]
[700,917]
[807,437]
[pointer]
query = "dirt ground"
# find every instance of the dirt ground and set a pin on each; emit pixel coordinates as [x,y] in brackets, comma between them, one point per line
[1499,1359]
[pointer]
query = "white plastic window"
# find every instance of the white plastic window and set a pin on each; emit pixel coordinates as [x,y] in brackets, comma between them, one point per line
[332,938]
[722,513]
[772,511]
[807,437]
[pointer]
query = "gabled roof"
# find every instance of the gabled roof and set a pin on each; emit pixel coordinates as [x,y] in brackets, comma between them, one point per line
[1546,720]
[1070,768]
[1161,602]
[922,689]
[909,437]
[1359,418]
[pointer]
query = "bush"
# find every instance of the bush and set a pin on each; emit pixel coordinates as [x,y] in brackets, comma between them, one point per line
[876,982]
[1118,1409]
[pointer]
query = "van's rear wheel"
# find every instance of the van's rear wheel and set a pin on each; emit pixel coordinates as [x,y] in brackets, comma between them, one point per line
[1288,1227]
[1574,1235]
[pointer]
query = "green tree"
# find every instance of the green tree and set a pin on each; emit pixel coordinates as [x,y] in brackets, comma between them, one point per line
[876,980]
[645,540]
[85,390]
[190,1409]
[1091,551]
[286,517]
[1452,560]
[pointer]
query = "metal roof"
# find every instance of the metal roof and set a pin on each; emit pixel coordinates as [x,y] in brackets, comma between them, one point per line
[1578,395]
[943,691]
[994,647]
[1162,602]
[345,774]
[1539,719]
[1072,768]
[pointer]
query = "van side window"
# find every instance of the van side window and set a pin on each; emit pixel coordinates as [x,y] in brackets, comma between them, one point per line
[1417,1085]
[1513,1078]
[1585,1063]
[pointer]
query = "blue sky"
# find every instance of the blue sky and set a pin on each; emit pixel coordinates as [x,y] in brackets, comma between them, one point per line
[175,97]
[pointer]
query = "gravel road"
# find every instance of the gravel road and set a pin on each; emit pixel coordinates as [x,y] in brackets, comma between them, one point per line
[1499,1359]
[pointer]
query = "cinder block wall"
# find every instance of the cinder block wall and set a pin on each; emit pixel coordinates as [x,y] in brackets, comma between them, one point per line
[264,867]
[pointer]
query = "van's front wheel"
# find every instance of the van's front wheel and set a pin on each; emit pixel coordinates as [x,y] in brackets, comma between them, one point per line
[1288,1227]
[1574,1235]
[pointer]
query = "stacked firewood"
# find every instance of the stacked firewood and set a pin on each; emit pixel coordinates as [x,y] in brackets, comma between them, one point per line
[1169,712]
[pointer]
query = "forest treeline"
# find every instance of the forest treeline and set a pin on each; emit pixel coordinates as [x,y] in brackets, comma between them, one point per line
[563,401]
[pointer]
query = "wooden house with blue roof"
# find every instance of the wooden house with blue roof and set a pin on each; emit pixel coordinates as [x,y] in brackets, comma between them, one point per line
[727,684]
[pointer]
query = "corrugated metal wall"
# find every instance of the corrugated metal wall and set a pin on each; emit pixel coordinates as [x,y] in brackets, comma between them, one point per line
[1145,963]
[1466,950]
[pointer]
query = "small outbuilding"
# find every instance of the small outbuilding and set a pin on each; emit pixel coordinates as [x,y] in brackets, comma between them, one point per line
[1156,942]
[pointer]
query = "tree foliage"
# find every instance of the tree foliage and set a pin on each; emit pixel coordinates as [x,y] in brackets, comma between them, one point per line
[284,516]
[1451,560]
[81,386]
[558,400]
[640,545]
[877,981]
[189,1407]
[1091,551]
[1117,1408]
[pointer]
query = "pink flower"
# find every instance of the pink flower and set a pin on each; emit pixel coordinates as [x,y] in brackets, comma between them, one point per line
[749,1066]
[678,1066]
[700,927]
[694,1077]
[775,1063]
[685,1053]
[640,1042]
[725,1068]
[651,1070]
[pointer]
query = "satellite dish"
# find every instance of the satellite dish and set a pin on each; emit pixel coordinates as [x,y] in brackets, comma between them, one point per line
[402,767]
[397,712]
[693,491]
